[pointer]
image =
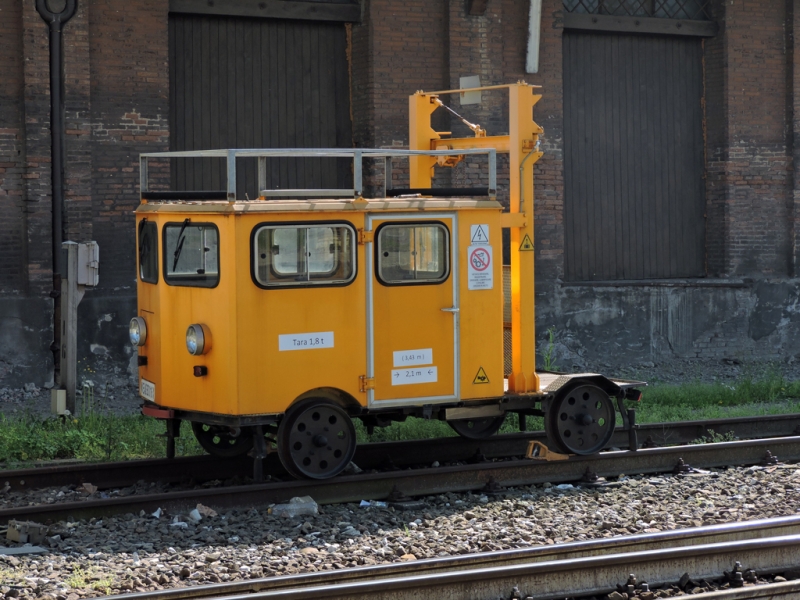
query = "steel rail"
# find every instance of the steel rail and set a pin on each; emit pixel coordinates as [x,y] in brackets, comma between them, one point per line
[379,455]
[558,578]
[787,589]
[427,481]
[713,534]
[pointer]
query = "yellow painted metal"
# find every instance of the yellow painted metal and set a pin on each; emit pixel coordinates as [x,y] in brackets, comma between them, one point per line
[249,375]
[247,371]
[420,135]
[481,314]
[523,376]
[521,145]
[508,220]
[501,143]
[410,319]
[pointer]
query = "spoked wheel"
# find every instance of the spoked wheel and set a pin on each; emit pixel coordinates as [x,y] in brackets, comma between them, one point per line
[225,442]
[581,421]
[477,429]
[316,439]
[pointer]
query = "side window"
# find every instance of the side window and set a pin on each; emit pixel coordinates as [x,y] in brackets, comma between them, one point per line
[413,253]
[148,251]
[191,254]
[292,255]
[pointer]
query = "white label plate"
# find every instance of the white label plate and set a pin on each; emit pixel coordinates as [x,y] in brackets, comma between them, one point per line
[416,375]
[479,268]
[406,358]
[305,341]
[478,234]
[147,390]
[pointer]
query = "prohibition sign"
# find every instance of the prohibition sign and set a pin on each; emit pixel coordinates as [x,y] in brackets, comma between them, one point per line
[479,259]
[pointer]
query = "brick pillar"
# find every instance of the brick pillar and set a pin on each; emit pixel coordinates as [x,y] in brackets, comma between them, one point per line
[35,50]
[758,199]
[13,267]
[793,18]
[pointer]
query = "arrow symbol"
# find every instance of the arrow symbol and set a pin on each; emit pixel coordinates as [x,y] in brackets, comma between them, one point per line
[397,374]
[430,371]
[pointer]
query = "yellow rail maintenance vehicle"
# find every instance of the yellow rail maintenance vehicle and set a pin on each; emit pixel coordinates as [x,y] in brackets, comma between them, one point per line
[279,320]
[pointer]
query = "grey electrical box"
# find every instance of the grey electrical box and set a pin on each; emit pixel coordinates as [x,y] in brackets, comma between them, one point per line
[88,264]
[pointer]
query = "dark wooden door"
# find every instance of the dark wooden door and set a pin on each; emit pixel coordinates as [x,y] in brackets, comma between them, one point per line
[634,205]
[258,83]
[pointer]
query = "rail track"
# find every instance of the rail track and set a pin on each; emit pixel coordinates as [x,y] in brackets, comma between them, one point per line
[427,481]
[569,570]
[380,456]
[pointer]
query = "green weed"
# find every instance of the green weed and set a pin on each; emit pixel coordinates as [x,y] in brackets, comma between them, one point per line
[714,438]
[549,362]
[29,438]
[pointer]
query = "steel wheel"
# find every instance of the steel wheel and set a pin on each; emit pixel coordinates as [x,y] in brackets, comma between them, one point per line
[477,429]
[225,442]
[316,439]
[580,421]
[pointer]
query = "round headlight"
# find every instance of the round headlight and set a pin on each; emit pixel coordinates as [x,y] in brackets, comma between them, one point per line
[137,331]
[198,340]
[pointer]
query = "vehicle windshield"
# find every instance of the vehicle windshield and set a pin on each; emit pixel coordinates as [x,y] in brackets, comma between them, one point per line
[191,254]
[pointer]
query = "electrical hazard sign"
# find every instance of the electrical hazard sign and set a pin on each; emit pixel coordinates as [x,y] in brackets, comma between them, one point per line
[478,234]
[479,268]
[526,245]
[481,377]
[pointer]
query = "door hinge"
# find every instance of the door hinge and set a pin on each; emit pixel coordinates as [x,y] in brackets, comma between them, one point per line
[364,236]
[365,383]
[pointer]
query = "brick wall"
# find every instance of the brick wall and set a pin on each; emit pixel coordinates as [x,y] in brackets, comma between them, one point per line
[116,83]
[749,151]
[12,151]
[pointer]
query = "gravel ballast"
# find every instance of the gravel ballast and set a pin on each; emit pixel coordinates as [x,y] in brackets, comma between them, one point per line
[137,552]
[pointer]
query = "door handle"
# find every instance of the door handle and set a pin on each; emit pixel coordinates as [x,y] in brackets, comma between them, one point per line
[451,309]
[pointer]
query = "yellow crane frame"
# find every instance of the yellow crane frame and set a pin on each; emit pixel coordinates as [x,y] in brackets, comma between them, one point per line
[522,146]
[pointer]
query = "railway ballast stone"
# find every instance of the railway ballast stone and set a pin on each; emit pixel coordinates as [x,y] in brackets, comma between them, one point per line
[130,552]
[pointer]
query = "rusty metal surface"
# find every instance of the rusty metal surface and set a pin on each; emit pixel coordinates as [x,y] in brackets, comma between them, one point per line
[426,481]
[714,534]
[379,455]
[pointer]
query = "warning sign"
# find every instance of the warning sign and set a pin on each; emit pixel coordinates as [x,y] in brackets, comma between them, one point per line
[479,269]
[481,377]
[526,245]
[479,234]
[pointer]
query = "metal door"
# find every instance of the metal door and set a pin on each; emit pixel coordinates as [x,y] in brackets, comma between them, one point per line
[238,82]
[634,187]
[412,309]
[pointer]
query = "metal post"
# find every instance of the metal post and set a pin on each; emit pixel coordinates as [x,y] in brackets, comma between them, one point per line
[143,175]
[358,188]
[71,295]
[82,270]
[232,176]
[262,174]
[56,22]
[387,174]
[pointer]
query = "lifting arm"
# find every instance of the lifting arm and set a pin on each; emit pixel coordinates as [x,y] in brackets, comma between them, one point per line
[522,145]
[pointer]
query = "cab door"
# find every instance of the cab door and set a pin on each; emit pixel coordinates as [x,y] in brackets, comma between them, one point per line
[412,309]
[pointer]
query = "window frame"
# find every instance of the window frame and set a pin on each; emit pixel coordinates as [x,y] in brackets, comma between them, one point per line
[427,222]
[291,284]
[204,283]
[142,224]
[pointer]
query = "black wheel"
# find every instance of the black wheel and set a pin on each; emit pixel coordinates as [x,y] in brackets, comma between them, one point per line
[316,439]
[225,442]
[581,420]
[477,429]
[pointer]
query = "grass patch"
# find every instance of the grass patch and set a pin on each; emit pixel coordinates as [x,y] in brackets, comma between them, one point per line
[89,579]
[97,437]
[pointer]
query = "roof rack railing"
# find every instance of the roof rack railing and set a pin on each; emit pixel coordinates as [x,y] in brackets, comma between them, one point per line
[358,155]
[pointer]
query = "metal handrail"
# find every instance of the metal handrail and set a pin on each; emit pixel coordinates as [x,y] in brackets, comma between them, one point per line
[358,155]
